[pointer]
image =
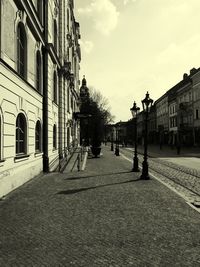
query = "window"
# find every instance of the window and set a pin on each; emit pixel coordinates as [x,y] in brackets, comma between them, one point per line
[68,20]
[38,137]
[55,87]
[21,50]
[190,96]
[68,97]
[40,10]
[55,36]
[54,136]
[72,103]
[21,132]
[197,114]
[38,72]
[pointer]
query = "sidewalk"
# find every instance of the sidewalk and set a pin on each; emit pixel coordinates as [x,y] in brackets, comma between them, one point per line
[103,216]
[167,151]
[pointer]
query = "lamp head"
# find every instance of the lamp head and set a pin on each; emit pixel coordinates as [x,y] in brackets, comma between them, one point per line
[134,110]
[147,103]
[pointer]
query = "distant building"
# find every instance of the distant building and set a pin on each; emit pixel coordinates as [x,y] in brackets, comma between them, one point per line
[196,106]
[184,101]
[152,125]
[162,119]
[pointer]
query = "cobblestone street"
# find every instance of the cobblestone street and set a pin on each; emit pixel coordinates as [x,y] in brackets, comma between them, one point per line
[103,216]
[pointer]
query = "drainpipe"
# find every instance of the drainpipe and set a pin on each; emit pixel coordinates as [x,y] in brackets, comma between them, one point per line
[45,90]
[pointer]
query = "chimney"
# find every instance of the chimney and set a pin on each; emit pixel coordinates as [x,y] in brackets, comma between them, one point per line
[185,75]
[193,71]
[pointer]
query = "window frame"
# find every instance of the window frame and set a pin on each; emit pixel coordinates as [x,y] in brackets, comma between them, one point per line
[19,138]
[54,137]
[55,87]
[21,50]
[197,114]
[38,76]
[38,142]
[55,35]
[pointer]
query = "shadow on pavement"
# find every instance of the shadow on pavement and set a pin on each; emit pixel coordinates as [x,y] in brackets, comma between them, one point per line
[74,191]
[90,176]
[166,151]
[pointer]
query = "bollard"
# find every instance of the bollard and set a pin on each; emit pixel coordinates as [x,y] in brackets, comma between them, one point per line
[81,153]
[78,162]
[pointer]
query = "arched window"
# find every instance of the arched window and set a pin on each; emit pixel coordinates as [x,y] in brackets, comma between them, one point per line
[21,132]
[40,10]
[38,72]
[38,137]
[54,136]
[55,87]
[55,33]
[21,50]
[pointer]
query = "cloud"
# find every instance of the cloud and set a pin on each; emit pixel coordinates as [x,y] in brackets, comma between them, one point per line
[127,1]
[86,46]
[103,14]
[183,53]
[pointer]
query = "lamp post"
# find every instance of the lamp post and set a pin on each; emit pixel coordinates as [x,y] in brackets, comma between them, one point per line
[117,142]
[112,141]
[134,111]
[146,103]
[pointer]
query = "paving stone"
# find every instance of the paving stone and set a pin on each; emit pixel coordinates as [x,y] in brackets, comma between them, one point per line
[103,217]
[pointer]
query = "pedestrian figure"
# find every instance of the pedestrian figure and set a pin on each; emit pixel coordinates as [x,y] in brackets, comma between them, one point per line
[160,145]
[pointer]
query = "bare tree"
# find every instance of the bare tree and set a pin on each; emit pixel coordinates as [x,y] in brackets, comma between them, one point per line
[103,105]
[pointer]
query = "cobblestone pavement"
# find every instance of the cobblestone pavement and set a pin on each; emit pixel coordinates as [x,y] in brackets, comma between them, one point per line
[178,174]
[103,216]
[167,151]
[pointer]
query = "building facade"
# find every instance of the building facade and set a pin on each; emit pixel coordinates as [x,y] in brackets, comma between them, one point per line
[162,119]
[196,106]
[39,64]
[185,118]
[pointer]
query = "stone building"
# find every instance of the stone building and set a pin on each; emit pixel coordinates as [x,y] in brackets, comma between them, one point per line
[196,106]
[162,119]
[39,65]
[184,101]
[152,125]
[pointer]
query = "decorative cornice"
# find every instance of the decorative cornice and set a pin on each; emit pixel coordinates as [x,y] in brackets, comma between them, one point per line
[53,54]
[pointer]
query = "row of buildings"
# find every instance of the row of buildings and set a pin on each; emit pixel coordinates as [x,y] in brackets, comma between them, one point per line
[39,87]
[173,119]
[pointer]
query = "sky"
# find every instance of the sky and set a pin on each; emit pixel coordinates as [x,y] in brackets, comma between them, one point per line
[130,47]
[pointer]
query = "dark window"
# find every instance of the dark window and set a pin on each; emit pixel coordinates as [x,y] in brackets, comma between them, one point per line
[54,136]
[72,103]
[38,72]
[55,36]
[55,87]
[197,113]
[68,20]
[40,10]
[21,50]
[68,99]
[21,134]
[38,137]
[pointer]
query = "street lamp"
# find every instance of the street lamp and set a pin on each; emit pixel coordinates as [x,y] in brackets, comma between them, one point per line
[117,142]
[134,111]
[112,140]
[146,104]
